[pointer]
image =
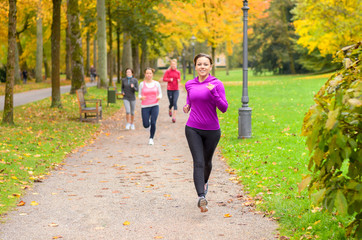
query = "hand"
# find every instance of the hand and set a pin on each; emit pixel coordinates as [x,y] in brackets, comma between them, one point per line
[158,98]
[186,108]
[142,97]
[210,86]
[132,85]
[123,94]
[171,79]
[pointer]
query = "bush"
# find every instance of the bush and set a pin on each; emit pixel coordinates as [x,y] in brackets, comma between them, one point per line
[333,130]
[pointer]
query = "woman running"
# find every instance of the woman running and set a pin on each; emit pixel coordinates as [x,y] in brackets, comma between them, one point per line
[205,93]
[150,93]
[129,87]
[172,76]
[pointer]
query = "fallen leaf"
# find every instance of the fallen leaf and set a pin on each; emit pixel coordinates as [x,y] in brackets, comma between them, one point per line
[57,237]
[227,215]
[53,225]
[33,203]
[126,223]
[21,203]
[158,237]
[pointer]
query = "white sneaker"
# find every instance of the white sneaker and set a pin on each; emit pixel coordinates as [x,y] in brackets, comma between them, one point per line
[133,127]
[128,126]
[150,142]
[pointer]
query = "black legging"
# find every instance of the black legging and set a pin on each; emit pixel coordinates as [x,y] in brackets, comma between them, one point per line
[173,97]
[149,117]
[202,144]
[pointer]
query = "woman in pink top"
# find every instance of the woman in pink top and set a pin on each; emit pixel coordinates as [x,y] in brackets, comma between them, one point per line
[150,93]
[172,76]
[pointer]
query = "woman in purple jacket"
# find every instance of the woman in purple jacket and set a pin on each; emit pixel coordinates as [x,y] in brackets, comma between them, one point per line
[205,93]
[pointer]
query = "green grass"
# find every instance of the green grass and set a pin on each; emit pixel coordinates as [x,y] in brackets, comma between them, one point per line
[39,141]
[271,164]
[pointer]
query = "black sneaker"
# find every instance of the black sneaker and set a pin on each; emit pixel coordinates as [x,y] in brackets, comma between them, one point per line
[202,204]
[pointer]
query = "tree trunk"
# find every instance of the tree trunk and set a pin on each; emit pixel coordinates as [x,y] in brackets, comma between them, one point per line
[46,67]
[39,45]
[17,73]
[23,65]
[118,53]
[95,51]
[144,61]
[287,41]
[127,52]
[8,113]
[87,65]
[136,58]
[110,55]
[55,41]
[76,47]
[68,55]
[213,58]
[102,43]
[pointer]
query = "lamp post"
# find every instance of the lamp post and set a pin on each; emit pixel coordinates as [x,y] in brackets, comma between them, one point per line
[183,64]
[245,110]
[193,40]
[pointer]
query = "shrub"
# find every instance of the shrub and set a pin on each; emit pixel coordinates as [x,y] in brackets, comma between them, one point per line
[333,130]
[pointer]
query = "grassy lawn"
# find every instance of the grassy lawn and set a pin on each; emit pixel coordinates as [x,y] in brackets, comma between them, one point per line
[271,164]
[39,141]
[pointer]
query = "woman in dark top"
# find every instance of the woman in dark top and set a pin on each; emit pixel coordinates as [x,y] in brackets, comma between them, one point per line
[129,87]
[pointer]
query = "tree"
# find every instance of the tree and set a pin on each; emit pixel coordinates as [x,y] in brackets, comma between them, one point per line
[328,25]
[273,40]
[102,42]
[8,115]
[39,44]
[55,40]
[76,47]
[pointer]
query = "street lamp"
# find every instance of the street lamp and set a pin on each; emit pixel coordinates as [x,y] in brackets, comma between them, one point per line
[183,64]
[245,110]
[193,40]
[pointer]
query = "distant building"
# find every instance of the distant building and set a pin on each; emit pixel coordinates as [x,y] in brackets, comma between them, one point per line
[219,62]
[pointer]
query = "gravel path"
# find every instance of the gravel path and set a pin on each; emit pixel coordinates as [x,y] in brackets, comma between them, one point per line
[119,187]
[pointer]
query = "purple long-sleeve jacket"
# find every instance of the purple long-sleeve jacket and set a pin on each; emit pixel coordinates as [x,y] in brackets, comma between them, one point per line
[203,103]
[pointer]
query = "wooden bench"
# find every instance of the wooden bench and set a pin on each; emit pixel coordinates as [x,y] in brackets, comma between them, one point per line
[90,112]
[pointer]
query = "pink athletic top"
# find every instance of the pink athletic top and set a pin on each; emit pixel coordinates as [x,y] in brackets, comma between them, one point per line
[151,92]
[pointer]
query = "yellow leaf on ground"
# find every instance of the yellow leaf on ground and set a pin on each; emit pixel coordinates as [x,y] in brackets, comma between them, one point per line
[158,237]
[126,223]
[227,215]
[33,203]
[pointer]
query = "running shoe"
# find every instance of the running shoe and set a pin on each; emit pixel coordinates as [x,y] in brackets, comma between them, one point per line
[170,113]
[206,188]
[133,127]
[150,142]
[173,120]
[128,126]
[202,204]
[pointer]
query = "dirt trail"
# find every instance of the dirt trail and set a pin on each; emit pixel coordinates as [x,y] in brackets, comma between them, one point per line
[119,179]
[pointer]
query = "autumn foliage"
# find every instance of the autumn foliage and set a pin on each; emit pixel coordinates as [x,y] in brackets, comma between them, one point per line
[332,127]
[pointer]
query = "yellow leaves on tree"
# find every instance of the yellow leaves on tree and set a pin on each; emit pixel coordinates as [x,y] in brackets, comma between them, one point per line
[328,25]
[214,21]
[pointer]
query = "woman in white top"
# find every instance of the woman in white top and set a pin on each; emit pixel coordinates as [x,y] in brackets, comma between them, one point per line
[150,93]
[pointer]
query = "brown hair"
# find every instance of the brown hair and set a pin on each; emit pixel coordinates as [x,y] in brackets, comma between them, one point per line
[202,55]
[129,69]
[149,68]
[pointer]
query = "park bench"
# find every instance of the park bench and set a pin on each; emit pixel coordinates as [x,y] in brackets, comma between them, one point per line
[90,112]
